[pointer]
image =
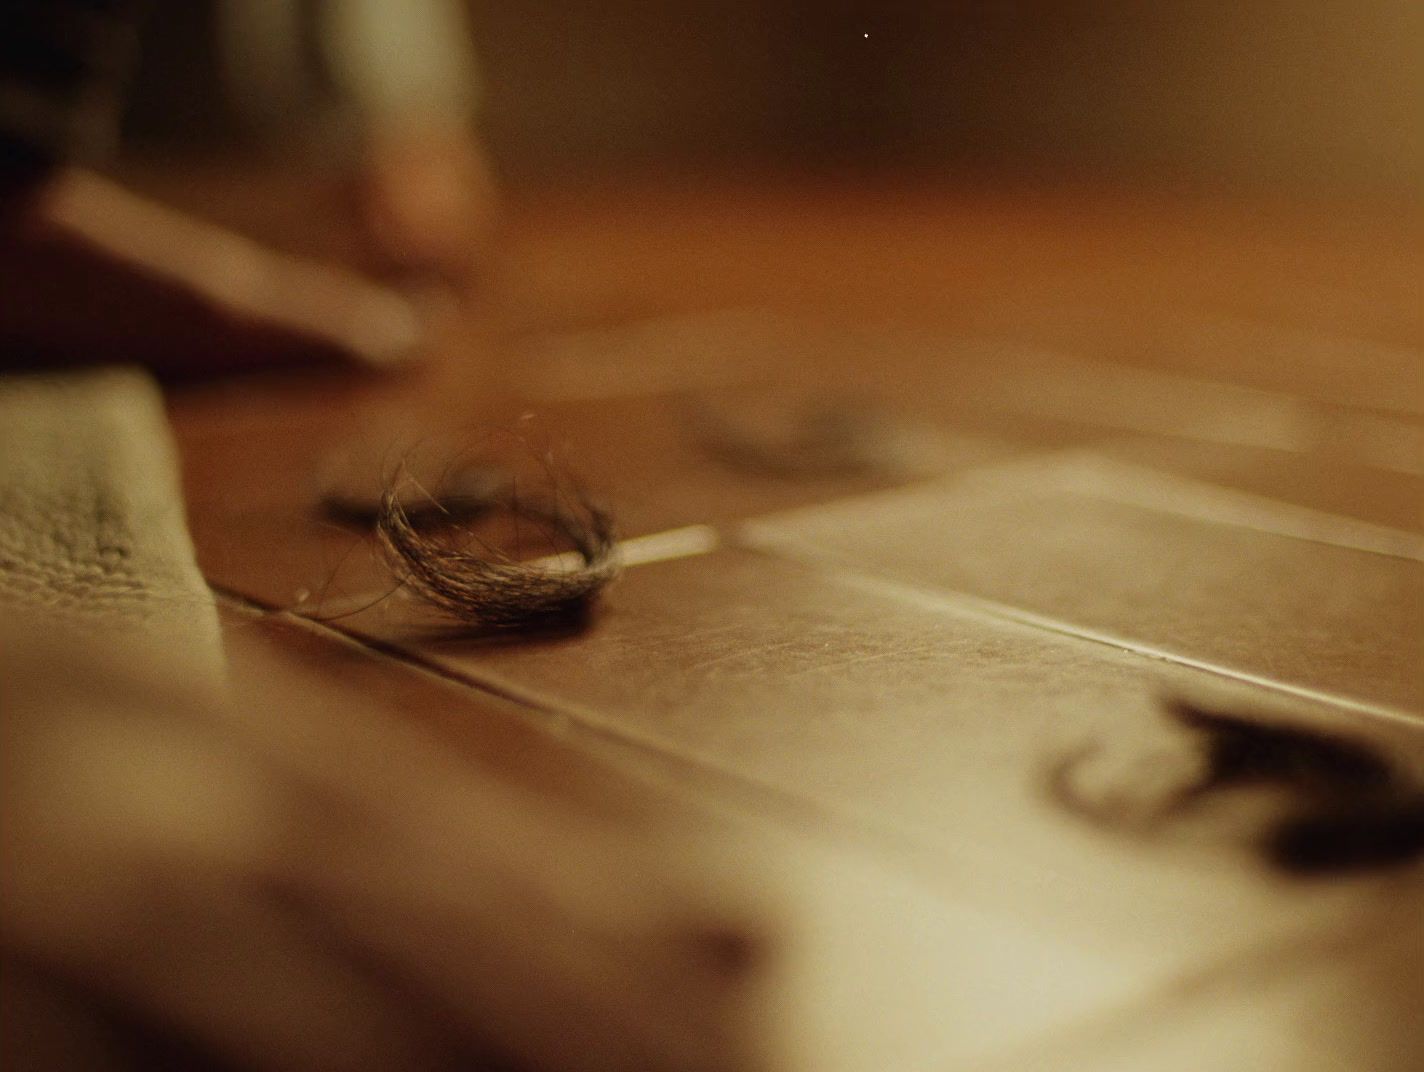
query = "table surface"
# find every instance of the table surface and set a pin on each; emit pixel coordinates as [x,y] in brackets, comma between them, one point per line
[1123,445]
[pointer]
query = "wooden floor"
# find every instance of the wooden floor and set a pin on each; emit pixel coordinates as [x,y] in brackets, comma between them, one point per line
[1121,447]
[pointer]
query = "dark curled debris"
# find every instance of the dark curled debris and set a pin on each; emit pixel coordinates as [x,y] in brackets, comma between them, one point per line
[1349,837]
[1350,807]
[488,591]
[1311,762]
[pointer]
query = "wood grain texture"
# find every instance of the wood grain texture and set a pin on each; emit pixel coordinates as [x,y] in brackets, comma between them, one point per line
[1259,363]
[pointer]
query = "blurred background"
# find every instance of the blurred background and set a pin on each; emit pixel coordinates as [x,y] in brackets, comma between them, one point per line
[1301,95]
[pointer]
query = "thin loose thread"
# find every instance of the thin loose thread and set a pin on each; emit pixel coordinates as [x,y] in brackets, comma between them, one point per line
[467,492]
[487,590]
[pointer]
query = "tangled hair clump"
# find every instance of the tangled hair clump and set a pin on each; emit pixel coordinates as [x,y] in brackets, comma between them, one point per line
[487,590]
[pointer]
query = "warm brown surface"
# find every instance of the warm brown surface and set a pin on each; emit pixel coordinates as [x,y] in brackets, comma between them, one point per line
[1156,445]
